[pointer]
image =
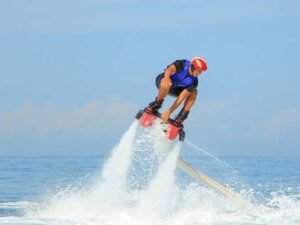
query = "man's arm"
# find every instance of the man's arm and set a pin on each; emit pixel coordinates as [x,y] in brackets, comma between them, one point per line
[166,81]
[183,95]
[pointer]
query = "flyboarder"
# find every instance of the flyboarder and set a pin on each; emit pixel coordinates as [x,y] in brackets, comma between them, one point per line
[179,80]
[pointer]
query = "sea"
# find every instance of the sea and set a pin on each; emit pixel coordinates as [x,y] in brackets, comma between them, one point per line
[139,183]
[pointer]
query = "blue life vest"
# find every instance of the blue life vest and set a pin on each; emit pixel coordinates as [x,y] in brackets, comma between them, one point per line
[180,79]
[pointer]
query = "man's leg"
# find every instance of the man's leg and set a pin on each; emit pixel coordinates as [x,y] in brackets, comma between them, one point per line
[190,100]
[184,112]
[163,91]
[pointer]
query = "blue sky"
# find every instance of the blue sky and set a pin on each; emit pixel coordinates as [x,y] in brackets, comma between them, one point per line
[69,67]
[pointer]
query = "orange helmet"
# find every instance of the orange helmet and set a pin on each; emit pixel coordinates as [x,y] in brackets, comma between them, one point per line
[199,63]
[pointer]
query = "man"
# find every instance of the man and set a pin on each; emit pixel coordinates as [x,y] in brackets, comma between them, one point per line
[180,80]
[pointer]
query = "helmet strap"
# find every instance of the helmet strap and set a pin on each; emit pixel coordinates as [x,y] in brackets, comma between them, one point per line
[192,68]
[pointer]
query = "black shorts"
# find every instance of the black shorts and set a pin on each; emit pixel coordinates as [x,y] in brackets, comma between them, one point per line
[174,91]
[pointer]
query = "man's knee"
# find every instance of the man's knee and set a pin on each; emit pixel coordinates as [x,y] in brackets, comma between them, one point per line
[194,94]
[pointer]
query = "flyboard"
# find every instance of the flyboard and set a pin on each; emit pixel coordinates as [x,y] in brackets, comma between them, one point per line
[173,130]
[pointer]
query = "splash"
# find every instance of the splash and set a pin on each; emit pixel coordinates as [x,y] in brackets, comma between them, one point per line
[157,198]
[113,182]
[108,193]
[139,184]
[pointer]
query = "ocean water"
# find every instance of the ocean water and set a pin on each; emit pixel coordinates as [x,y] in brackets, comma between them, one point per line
[139,183]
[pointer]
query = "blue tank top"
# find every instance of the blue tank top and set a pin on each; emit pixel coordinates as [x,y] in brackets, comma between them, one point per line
[180,79]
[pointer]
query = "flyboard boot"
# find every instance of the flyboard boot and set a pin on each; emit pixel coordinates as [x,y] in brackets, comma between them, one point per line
[154,106]
[175,127]
[147,115]
[181,116]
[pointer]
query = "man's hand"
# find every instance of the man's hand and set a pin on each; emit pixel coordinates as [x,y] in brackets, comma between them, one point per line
[165,116]
[166,82]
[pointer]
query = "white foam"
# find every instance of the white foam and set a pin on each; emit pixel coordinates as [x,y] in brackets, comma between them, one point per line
[158,197]
[15,205]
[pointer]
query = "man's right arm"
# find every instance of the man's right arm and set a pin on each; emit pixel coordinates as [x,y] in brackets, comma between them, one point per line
[166,81]
[170,70]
